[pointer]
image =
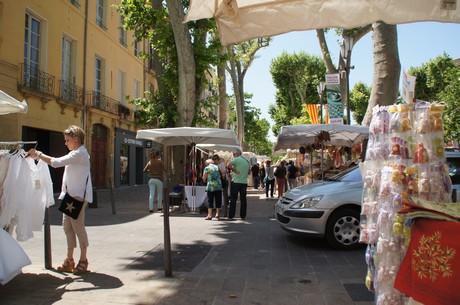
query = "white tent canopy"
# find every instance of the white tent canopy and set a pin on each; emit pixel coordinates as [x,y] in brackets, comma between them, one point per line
[9,104]
[296,136]
[241,20]
[219,147]
[189,135]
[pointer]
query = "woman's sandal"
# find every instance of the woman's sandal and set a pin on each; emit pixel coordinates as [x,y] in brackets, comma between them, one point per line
[67,266]
[82,267]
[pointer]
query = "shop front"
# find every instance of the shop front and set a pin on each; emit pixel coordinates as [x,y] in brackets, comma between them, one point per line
[129,159]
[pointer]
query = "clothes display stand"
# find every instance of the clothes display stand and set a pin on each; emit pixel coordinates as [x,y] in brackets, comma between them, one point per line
[24,209]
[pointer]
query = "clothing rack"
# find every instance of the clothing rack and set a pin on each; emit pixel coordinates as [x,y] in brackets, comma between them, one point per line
[16,144]
[46,221]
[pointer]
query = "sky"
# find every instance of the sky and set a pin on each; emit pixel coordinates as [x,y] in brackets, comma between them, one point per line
[418,43]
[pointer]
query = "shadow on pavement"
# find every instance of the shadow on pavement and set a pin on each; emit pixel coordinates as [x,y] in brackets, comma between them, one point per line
[49,288]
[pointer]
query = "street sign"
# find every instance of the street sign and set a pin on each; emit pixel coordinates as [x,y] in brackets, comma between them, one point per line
[333,79]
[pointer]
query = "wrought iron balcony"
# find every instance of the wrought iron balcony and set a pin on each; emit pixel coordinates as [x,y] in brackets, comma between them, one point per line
[102,102]
[70,92]
[36,79]
[125,113]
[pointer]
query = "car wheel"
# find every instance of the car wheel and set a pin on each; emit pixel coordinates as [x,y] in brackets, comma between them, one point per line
[342,230]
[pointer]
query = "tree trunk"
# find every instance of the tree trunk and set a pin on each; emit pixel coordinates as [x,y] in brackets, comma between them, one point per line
[235,75]
[223,97]
[330,68]
[387,68]
[186,64]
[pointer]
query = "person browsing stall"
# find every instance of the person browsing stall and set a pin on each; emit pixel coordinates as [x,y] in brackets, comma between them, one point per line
[212,176]
[156,169]
[223,171]
[76,182]
[241,169]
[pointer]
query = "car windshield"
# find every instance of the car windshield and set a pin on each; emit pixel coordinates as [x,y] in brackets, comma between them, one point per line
[350,175]
[454,169]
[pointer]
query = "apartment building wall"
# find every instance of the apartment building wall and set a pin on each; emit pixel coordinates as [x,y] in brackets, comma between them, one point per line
[62,86]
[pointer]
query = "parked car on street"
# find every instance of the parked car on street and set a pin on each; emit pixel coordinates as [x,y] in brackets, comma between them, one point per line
[331,208]
[328,208]
[453,162]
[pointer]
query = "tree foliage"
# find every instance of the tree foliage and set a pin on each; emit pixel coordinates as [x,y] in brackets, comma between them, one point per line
[150,20]
[240,58]
[296,77]
[432,77]
[438,80]
[256,129]
[359,99]
[450,96]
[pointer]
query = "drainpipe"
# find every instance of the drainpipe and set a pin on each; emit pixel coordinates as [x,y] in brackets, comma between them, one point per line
[85,47]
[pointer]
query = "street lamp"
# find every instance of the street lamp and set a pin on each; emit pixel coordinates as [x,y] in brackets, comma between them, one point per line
[320,88]
[345,52]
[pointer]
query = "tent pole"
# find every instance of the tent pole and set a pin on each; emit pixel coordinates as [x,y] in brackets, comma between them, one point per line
[167,233]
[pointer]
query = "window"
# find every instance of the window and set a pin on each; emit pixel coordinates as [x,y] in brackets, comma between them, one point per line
[123,35]
[124,164]
[98,76]
[67,59]
[150,58]
[31,49]
[101,13]
[137,85]
[75,2]
[122,87]
[136,48]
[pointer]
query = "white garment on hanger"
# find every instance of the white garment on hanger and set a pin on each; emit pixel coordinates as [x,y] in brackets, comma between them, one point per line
[12,258]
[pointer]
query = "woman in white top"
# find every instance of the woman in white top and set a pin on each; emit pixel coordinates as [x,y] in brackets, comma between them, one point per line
[77,183]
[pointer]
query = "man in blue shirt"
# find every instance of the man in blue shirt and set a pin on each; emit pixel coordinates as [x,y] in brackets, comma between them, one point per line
[240,168]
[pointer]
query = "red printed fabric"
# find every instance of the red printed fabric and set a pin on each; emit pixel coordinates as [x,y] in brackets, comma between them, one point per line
[430,271]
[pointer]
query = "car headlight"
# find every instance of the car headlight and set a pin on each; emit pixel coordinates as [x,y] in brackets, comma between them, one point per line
[307,202]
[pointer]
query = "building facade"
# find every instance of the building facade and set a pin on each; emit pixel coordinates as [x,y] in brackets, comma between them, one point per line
[75,64]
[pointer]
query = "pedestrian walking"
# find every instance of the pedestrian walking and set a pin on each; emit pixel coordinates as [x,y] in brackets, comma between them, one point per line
[269,178]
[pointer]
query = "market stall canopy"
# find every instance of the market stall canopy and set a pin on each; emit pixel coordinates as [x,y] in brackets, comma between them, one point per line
[224,151]
[188,135]
[219,147]
[241,20]
[296,136]
[9,104]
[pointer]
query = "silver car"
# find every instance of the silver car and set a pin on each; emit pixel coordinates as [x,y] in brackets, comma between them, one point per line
[328,208]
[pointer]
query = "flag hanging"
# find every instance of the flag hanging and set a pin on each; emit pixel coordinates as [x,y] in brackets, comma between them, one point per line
[312,110]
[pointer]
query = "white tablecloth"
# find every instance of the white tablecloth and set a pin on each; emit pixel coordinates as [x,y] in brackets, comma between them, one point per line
[200,198]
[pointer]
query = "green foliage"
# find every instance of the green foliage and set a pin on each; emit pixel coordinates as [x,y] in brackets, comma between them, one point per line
[296,77]
[432,77]
[155,111]
[279,115]
[359,99]
[303,119]
[255,129]
[203,107]
[450,96]
[438,80]
[154,25]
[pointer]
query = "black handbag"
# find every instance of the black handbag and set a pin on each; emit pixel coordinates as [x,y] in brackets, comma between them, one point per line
[71,206]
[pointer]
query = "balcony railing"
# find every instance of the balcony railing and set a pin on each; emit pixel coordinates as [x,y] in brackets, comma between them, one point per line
[36,79]
[102,102]
[70,92]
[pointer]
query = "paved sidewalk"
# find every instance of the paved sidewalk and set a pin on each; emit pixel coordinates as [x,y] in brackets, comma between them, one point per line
[214,262]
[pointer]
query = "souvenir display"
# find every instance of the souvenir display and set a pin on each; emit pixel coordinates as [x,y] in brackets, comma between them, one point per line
[405,158]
